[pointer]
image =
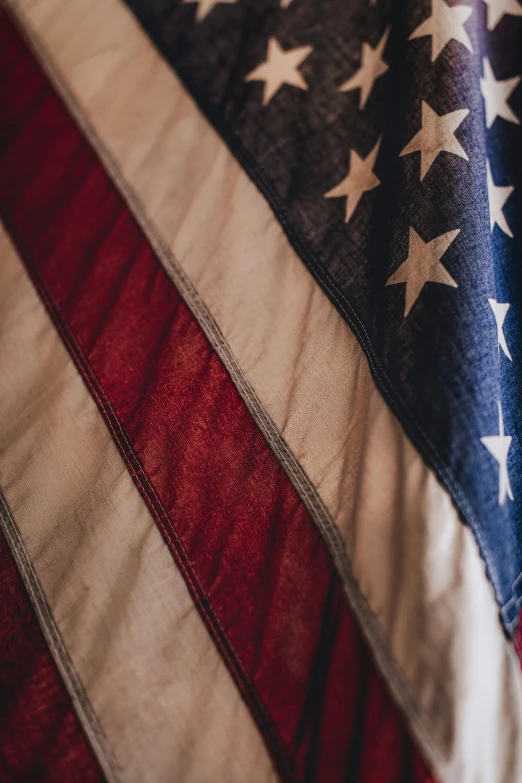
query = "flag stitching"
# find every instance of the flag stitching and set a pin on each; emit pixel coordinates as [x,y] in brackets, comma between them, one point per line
[61,657]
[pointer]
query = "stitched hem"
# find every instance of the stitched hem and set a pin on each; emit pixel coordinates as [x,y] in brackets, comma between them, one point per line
[81,703]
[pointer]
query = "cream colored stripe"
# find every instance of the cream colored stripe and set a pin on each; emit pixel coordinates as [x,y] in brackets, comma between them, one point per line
[420,589]
[166,704]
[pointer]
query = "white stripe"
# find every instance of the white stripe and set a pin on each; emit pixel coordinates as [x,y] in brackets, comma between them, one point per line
[138,649]
[417,567]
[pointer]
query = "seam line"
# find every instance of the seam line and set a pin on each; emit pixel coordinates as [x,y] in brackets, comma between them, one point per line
[72,682]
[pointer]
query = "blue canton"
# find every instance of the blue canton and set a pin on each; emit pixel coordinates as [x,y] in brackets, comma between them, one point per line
[386,137]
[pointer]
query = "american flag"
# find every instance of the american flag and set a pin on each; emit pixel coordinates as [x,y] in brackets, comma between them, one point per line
[260,472]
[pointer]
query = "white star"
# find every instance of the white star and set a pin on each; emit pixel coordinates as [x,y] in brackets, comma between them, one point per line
[205,6]
[496,94]
[372,66]
[437,134]
[497,9]
[423,266]
[499,311]
[359,179]
[497,197]
[280,68]
[444,24]
[498,447]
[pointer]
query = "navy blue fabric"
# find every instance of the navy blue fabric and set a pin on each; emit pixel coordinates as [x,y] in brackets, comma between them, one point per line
[439,368]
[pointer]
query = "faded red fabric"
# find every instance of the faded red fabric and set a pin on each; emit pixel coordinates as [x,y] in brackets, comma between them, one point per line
[40,738]
[252,558]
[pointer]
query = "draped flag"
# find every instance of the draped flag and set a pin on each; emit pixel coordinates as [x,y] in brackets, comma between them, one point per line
[260,465]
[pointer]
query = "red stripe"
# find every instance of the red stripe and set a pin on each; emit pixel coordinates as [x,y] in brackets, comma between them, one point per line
[40,739]
[253,559]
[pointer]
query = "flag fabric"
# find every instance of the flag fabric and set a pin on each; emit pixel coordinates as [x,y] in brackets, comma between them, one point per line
[260,476]
[387,141]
